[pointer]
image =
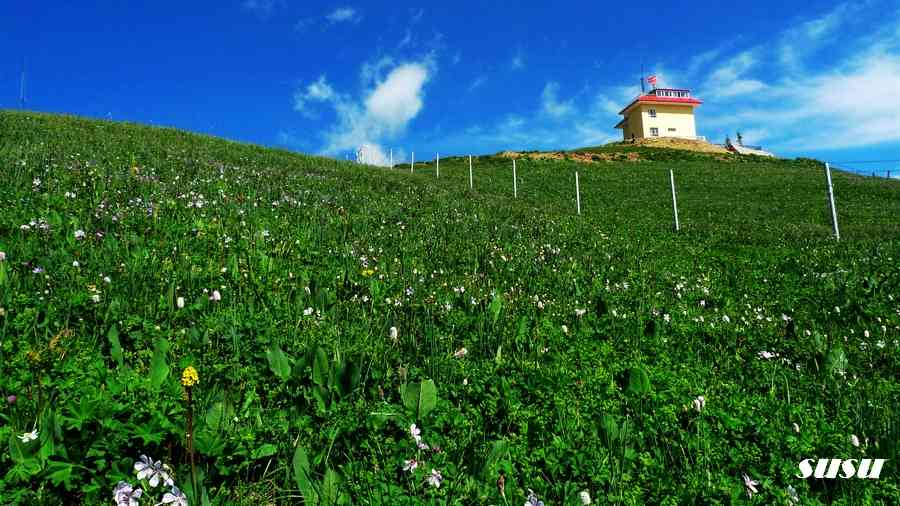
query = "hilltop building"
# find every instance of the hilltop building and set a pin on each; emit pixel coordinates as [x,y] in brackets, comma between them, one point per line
[662,112]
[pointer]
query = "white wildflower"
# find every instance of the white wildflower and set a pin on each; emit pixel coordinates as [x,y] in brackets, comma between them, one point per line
[174,498]
[699,403]
[585,497]
[750,485]
[126,495]
[29,436]
[434,479]
[153,471]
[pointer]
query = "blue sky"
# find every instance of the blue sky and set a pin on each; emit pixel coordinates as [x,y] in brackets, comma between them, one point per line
[814,78]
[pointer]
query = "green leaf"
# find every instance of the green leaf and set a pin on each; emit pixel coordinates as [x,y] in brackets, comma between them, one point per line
[350,374]
[836,361]
[495,307]
[266,450]
[115,347]
[159,366]
[320,368]
[499,450]
[427,397]
[409,393]
[278,362]
[209,443]
[638,381]
[61,472]
[331,487]
[170,297]
[303,477]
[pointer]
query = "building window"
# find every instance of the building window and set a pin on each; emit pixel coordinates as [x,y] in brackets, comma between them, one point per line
[654,132]
[652,113]
[671,129]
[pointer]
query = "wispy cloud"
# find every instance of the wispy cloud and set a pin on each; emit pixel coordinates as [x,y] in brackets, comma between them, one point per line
[262,8]
[551,105]
[794,103]
[343,15]
[518,61]
[478,82]
[415,15]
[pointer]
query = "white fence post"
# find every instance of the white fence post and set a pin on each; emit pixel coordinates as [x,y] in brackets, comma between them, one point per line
[471,184]
[834,222]
[577,194]
[515,184]
[438,164]
[412,161]
[674,201]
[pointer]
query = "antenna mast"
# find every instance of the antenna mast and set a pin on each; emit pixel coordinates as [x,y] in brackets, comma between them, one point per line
[642,78]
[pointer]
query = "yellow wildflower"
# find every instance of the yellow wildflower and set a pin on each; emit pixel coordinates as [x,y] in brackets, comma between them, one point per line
[367,272]
[190,377]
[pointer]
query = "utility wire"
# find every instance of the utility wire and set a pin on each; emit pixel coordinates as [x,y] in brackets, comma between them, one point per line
[870,161]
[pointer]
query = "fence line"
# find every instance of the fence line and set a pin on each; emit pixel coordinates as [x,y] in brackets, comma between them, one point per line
[674,201]
[829,187]
[834,222]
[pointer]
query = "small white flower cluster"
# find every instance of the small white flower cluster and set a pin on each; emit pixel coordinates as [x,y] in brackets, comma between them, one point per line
[40,224]
[151,473]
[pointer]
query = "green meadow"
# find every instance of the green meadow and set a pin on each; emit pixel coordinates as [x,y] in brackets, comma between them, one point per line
[540,355]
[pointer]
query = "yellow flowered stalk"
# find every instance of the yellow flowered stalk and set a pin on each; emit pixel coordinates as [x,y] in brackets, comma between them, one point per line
[189,378]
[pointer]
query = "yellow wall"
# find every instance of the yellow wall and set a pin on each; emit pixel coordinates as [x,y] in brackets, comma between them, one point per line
[681,118]
[633,125]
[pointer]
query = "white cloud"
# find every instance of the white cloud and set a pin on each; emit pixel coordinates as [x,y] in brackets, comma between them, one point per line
[550,103]
[398,99]
[374,154]
[383,111]
[343,15]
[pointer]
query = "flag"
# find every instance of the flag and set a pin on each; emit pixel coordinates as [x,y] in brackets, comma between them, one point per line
[652,81]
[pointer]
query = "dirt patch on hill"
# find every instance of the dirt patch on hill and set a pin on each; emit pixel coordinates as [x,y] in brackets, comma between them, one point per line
[576,156]
[614,155]
[674,143]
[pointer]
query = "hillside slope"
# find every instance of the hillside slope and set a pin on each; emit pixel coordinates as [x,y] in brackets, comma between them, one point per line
[328,306]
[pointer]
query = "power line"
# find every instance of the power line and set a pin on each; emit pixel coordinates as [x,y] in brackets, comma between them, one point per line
[871,161]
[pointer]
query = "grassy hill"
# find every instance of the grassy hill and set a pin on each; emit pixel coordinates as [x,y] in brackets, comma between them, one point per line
[328,306]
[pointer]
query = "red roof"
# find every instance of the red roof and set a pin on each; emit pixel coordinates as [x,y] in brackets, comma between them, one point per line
[662,100]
